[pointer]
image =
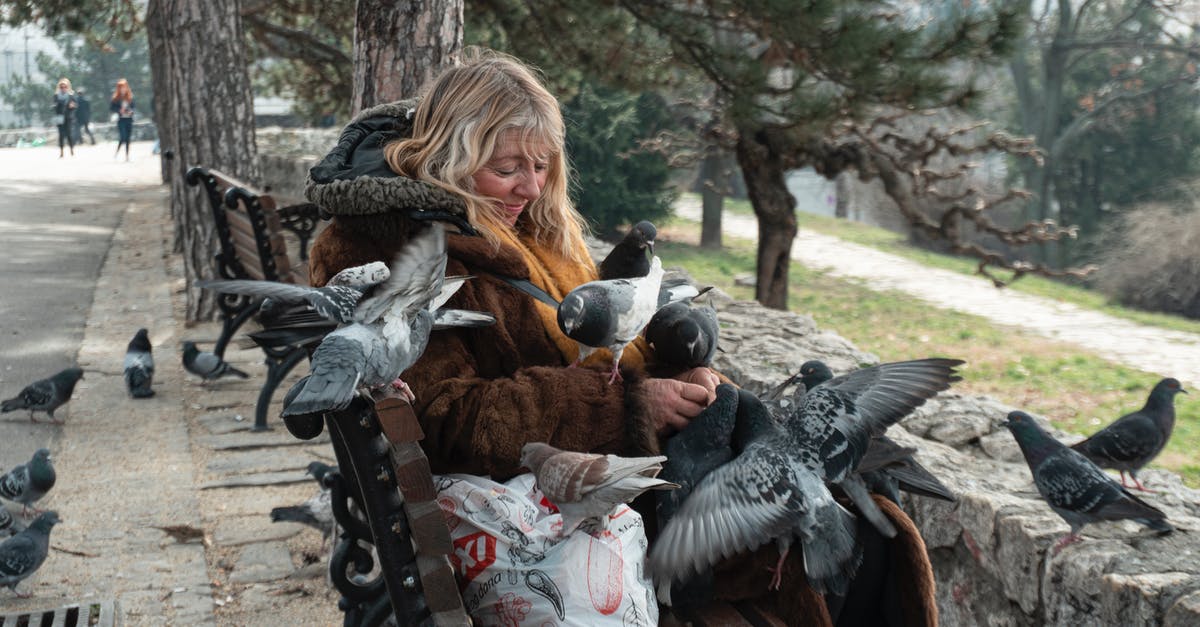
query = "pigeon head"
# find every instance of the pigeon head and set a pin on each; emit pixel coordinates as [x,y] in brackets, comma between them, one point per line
[534,454]
[570,313]
[318,470]
[1035,443]
[1167,389]
[190,350]
[642,234]
[69,376]
[813,373]
[140,341]
[45,521]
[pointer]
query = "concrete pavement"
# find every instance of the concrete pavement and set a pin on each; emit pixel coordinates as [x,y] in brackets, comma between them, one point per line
[128,469]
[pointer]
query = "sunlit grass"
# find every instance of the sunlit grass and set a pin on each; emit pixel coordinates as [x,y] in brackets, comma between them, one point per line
[897,244]
[1078,390]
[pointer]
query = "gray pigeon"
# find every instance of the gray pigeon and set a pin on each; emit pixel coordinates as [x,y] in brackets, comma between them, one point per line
[336,302]
[46,394]
[886,467]
[837,419]
[208,366]
[139,366]
[1135,439]
[588,485]
[770,491]
[684,335]
[9,524]
[317,511]
[28,483]
[1074,487]
[22,554]
[610,314]
[628,260]
[389,329]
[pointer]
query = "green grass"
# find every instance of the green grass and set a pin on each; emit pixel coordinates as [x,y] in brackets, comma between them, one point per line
[1079,391]
[897,244]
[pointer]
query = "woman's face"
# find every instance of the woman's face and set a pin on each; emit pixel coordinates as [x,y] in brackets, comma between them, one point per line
[63,87]
[514,176]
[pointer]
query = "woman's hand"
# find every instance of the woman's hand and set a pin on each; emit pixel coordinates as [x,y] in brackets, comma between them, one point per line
[701,376]
[673,402]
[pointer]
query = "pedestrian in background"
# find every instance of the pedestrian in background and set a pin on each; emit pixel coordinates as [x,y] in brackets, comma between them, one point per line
[122,105]
[64,115]
[83,117]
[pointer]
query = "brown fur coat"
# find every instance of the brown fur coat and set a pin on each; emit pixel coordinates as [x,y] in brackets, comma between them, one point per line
[482,393]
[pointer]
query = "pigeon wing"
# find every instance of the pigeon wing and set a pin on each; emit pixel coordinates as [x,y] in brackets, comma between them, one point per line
[39,393]
[337,367]
[15,483]
[1127,440]
[19,556]
[417,275]
[1071,483]
[335,302]
[738,507]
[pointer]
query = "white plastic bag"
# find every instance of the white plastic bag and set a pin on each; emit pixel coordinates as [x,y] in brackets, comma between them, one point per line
[516,569]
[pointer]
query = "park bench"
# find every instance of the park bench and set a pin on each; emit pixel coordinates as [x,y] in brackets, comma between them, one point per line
[257,234]
[385,474]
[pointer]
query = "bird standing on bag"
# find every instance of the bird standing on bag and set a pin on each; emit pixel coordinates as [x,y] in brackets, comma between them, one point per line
[588,485]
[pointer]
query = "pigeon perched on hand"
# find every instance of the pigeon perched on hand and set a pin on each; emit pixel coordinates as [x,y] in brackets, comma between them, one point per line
[1074,487]
[388,331]
[208,366]
[22,554]
[610,314]
[46,394]
[317,511]
[684,335]
[588,485]
[28,483]
[770,491]
[1135,439]
[139,366]
[837,419]
[628,260]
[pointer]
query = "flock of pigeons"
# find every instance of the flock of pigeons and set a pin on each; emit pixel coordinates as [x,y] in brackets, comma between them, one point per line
[746,472]
[26,546]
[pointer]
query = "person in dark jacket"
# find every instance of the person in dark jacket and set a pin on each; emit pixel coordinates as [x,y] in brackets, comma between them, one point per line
[485,145]
[64,115]
[83,117]
[122,105]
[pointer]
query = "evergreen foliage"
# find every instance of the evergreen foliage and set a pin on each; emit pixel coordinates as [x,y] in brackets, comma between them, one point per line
[616,181]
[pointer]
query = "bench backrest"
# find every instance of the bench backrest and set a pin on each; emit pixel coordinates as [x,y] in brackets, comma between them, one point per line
[250,231]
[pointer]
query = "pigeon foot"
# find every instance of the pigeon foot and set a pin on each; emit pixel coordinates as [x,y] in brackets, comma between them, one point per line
[1062,543]
[404,390]
[777,577]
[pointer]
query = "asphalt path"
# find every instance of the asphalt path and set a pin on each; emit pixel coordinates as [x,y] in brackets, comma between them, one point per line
[57,219]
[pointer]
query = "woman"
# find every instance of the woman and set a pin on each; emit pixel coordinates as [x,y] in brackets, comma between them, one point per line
[122,105]
[64,113]
[485,143]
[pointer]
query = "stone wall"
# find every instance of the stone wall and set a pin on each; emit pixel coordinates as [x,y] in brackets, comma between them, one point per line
[990,550]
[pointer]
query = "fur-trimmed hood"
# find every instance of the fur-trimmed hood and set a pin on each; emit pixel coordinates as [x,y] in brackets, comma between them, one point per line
[354,181]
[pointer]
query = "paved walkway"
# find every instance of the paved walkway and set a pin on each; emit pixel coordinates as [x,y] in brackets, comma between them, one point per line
[1152,349]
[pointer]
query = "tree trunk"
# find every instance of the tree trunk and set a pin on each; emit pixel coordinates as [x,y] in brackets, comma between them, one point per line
[763,171]
[162,106]
[712,193]
[202,81]
[841,208]
[399,46]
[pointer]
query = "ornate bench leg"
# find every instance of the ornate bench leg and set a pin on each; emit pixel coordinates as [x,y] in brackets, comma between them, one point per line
[230,324]
[279,364]
[363,459]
